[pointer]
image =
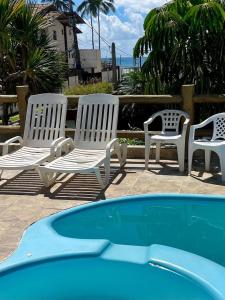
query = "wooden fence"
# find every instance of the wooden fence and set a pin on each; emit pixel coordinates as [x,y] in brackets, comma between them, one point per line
[186,101]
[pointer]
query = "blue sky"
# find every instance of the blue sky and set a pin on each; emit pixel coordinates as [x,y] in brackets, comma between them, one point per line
[124,27]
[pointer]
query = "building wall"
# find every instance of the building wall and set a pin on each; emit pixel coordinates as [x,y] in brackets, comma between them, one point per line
[107,76]
[91,59]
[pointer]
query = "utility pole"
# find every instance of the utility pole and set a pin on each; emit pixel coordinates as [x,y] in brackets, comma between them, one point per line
[114,70]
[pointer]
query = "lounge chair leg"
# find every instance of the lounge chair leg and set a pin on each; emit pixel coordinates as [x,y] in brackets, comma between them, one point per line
[123,149]
[147,152]
[121,152]
[48,178]
[99,177]
[107,172]
[1,172]
[207,160]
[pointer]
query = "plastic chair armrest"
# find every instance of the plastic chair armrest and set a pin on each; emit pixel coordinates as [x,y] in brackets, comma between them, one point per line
[5,147]
[65,144]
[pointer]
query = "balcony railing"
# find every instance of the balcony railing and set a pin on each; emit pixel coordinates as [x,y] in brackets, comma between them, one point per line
[186,101]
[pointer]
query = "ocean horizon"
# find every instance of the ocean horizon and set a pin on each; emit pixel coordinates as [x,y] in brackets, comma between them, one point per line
[126,62]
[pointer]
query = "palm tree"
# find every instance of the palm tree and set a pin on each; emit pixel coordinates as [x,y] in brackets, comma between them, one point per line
[93,8]
[184,41]
[26,56]
[104,6]
[89,8]
[60,5]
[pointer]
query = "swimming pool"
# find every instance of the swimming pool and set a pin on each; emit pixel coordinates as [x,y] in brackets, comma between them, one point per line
[132,248]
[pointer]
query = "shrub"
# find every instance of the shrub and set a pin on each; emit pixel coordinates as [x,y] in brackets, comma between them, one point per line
[100,87]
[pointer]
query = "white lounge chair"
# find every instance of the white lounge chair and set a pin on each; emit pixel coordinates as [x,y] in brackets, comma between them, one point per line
[44,129]
[95,140]
[169,134]
[216,143]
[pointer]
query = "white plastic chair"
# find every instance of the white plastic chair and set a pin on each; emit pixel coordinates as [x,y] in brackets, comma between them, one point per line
[95,140]
[169,134]
[44,129]
[216,143]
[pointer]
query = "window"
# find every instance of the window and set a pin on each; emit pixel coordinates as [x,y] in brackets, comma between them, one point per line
[54,35]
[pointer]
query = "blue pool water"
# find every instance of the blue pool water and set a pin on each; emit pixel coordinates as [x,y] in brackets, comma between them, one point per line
[189,225]
[155,247]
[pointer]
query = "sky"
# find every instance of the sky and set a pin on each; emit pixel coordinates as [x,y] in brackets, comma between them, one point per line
[123,27]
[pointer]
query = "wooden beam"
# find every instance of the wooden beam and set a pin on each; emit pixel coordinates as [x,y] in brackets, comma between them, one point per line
[9,129]
[209,99]
[139,99]
[8,99]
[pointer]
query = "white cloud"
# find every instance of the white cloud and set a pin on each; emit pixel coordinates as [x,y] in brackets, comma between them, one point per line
[123,28]
[139,6]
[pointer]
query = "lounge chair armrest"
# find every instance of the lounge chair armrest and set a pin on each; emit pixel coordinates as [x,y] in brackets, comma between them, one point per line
[112,143]
[66,144]
[5,146]
[54,145]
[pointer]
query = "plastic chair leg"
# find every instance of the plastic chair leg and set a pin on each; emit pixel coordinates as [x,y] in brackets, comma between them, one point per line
[207,160]
[180,155]
[157,152]
[190,157]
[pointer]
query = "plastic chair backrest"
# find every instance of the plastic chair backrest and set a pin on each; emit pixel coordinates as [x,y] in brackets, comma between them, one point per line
[45,119]
[97,119]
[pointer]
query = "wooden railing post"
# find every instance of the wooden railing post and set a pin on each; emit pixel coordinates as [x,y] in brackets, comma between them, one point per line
[187,92]
[22,92]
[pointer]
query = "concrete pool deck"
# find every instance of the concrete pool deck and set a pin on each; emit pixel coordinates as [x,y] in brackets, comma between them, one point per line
[24,200]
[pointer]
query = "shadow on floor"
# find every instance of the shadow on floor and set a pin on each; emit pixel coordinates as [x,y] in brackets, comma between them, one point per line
[215,179]
[82,187]
[170,168]
[24,183]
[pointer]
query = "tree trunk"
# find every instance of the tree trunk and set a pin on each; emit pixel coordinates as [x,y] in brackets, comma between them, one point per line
[99,31]
[92,33]
[77,61]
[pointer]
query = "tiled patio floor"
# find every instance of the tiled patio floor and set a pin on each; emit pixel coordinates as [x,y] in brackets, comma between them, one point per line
[23,199]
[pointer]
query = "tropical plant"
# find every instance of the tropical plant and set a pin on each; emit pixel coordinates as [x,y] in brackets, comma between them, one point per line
[185,43]
[93,8]
[26,56]
[132,83]
[100,87]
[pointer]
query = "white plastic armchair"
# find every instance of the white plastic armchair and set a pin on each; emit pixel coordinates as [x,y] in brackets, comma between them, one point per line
[170,134]
[95,141]
[216,143]
[44,130]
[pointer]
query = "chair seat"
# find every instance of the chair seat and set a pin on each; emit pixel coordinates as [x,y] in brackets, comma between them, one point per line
[24,158]
[203,143]
[77,160]
[164,137]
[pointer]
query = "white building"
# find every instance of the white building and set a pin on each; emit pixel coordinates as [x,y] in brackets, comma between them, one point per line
[59,29]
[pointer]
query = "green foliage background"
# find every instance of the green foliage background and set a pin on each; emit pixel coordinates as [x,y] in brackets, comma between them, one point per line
[26,54]
[185,43]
